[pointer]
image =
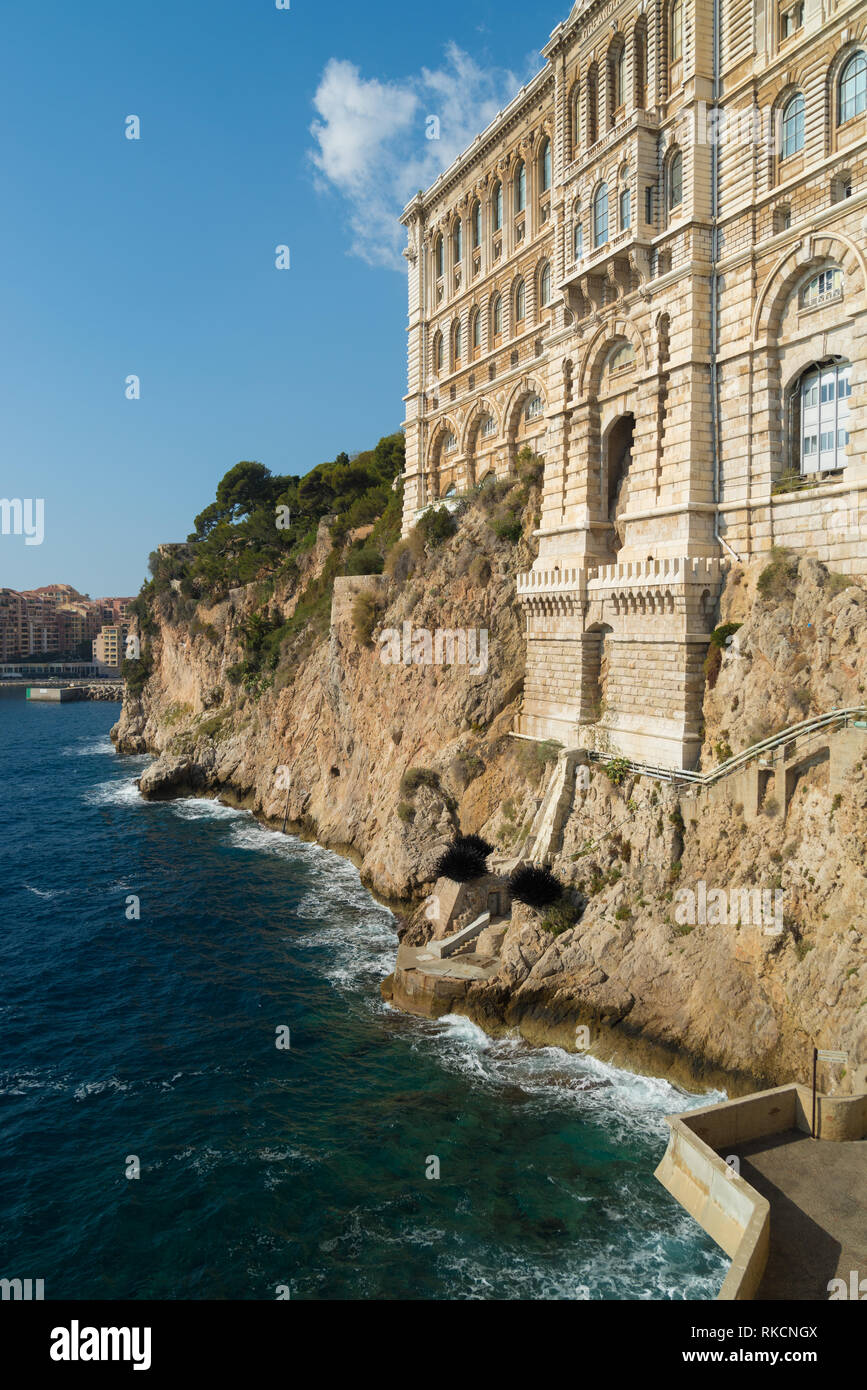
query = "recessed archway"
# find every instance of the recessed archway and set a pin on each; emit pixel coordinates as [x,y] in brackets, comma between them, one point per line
[617,458]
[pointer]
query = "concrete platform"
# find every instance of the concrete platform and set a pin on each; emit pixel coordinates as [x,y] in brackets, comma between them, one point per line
[424,984]
[818,1198]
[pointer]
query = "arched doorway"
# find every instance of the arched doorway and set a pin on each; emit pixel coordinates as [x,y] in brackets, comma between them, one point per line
[618,457]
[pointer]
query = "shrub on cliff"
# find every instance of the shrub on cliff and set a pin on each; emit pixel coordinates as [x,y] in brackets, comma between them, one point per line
[136,673]
[365,559]
[416,777]
[437,525]
[364,615]
[561,916]
[713,660]
[535,886]
[779,579]
[461,862]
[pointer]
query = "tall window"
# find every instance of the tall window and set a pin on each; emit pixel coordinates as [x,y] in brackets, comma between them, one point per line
[576,121]
[625,209]
[639,62]
[476,330]
[853,88]
[619,75]
[458,242]
[438,352]
[520,302]
[792,126]
[458,344]
[545,285]
[824,410]
[545,167]
[578,241]
[592,104]
[439,257]
[476,220]
[497,315]
[675,181]
[497,206]
[600,215]
[521,187]
[675,33]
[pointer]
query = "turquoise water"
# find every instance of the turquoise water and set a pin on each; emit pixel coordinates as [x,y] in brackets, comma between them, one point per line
[263,1168]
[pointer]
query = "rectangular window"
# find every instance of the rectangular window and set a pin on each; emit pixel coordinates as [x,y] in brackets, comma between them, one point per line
[648,203]
[791,20]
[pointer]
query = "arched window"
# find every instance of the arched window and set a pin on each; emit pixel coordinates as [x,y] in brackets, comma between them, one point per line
[600,215]
[476,220]
[545,166]
[520,187]
[458,242]
[545,285]
[675,32]
[578,241]
[489,427]
[853,88]
[497,315]
[520,302]
[476,330]
[439,257]
[624,201]
[576,121]
[458,344]
[792,126]
[823,288]
[497,206]
[675,181]
[822,403]
[622,357]
[438,352]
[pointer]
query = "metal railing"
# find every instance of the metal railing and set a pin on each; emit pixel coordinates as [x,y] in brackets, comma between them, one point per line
[834,719]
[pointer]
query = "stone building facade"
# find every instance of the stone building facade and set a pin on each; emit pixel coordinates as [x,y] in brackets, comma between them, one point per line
[650,268]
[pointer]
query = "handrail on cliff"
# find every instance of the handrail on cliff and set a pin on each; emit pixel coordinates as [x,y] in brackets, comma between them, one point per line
[834,718]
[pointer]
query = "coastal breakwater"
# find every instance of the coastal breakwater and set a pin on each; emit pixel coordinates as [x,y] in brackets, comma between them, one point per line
[70,694]
[385,762]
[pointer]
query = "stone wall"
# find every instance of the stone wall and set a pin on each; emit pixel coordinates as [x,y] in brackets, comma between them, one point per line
[665,437]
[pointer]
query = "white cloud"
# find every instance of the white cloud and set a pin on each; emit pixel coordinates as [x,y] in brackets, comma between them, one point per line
[371,144]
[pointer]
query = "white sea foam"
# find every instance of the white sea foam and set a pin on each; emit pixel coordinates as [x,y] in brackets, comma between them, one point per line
[89,748]
[43,892]
[197,808]
[627,1105]
[116,793]
[98,1088]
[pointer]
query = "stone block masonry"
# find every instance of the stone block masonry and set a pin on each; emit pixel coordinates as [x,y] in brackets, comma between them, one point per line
[679,329]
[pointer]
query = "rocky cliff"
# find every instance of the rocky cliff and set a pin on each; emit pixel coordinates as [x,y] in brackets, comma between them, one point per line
[360,740]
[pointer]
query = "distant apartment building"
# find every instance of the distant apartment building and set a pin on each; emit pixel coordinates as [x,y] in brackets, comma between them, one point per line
[53,620]
[109,646]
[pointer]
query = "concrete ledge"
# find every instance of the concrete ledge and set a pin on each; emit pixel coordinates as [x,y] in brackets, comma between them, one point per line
[732,1212]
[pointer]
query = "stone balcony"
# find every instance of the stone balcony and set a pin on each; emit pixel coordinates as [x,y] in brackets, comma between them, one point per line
[622,265]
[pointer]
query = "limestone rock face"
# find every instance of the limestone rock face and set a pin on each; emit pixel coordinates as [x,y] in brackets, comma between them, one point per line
[329,744]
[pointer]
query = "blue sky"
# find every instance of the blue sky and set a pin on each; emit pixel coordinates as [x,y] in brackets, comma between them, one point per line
[155,257]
